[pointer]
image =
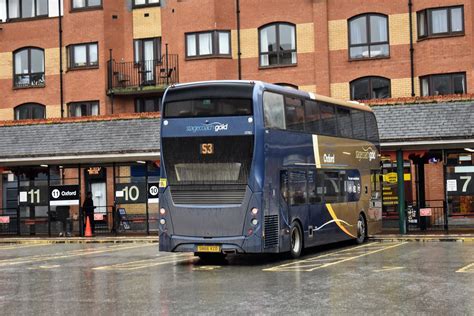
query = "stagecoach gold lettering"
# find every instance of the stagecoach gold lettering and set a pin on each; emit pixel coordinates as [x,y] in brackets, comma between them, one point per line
[207,149]
[367,154]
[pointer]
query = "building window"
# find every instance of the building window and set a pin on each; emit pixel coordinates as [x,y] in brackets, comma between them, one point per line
[147,105]
[86,4]
[30,111]
[368,36]
[83,55]
[24,9]
[370,88]
[443,84]
[78,109]
[147,49]
[441,22]
[210,43]
[277,44]
[28,67]
[145,3]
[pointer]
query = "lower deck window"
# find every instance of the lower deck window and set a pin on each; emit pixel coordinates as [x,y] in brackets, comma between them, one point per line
[312,186]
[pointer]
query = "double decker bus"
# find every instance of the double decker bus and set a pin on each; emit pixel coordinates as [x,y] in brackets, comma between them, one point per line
[251,167]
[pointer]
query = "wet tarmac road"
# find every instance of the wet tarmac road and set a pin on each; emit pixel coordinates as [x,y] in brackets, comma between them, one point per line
[435,278]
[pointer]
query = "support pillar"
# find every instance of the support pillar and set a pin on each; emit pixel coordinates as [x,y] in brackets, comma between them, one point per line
[401,192]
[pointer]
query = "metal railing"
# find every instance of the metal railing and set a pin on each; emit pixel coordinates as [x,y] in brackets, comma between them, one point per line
[108,222]
[159,72]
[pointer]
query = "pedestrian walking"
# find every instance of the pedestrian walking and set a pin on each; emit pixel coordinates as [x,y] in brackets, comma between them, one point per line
[88,209]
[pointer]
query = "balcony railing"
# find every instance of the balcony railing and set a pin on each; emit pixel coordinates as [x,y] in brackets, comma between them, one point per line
[123,76]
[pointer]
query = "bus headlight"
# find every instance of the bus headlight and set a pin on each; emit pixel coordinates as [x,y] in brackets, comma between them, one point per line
[162,221]
[254,211]
[162,211]
[254,222]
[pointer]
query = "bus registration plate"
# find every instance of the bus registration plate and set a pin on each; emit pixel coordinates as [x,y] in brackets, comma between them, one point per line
[208,248]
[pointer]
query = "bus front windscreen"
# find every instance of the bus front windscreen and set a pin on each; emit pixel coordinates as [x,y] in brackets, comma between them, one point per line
[208,108]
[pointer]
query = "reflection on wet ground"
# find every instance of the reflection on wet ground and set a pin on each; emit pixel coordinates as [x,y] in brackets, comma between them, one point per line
[401,278]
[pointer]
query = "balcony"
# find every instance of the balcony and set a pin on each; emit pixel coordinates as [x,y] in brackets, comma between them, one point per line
[150,76]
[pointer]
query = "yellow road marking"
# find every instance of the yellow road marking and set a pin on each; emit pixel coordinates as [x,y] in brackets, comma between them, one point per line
[385,269]
[330,259]
[66,255]
[147,263]
[467,269]
[16,246]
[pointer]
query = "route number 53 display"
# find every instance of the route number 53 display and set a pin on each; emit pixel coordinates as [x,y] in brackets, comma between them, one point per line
[207,149]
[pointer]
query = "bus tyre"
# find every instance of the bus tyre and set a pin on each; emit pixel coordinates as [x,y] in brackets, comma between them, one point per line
[296,240]
[361,230]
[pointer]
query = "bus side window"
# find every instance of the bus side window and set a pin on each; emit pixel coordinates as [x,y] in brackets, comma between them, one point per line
[344,124]
[375,181]
[371,126]
[294,114]
[328,119]
[274,110]
[358,124]
[284,184]
[312,117]
[332,187]
[315,187]
[297,187]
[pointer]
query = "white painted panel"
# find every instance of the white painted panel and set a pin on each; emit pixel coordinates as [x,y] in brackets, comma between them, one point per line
[3,10]
[53,6]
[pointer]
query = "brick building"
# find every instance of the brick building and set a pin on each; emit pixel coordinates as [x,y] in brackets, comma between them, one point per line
[71,58]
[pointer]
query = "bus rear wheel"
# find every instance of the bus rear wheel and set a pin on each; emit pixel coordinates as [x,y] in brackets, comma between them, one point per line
[296,239]
[361,230]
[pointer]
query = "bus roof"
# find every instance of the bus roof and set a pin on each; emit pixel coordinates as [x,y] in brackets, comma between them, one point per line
[282,89]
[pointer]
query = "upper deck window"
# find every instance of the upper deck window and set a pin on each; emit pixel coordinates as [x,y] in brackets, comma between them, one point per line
[208,108]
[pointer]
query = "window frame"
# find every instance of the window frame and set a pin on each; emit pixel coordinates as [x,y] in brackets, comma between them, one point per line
[71,58]
[145,5]
[370,78]
[86,7]
[215,44]
[20,13]
[141,42]
[429,27]
[156,100]
[29,49]
[278,51]
[30,107]
[451,75]
[369,43]
[88,109]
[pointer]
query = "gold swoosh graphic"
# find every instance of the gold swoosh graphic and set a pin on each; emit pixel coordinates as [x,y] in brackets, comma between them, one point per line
[338,221]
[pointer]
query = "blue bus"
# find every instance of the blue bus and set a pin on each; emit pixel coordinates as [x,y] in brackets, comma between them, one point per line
[252,167]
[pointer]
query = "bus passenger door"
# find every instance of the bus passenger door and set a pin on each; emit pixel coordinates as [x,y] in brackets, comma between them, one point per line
[318,217]
[293,188]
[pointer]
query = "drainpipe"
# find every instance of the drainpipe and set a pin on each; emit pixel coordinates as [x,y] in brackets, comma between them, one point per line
[61,91]
[239,53]
[412,50]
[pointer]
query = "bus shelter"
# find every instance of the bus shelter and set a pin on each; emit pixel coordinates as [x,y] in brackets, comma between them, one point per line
[47,170]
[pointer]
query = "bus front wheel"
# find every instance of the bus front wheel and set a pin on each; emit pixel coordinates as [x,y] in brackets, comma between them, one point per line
[296,238]
[361,230]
